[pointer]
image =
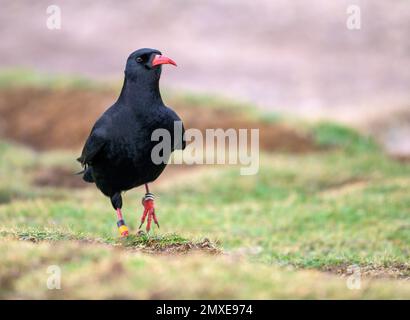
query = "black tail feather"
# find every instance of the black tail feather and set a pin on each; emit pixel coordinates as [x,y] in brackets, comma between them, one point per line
[87,174]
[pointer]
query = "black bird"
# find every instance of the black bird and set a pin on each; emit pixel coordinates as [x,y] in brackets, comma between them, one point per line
[117,154]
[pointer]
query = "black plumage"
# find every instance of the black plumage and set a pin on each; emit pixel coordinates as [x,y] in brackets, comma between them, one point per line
[117,153]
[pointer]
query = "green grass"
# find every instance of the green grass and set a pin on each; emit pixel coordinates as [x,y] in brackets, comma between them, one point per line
[160,240]
[18,77]
[335,210]
[290,231]
[95,271]
[334,135]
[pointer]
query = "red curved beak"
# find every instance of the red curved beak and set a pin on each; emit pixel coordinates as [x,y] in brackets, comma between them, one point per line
[161,59]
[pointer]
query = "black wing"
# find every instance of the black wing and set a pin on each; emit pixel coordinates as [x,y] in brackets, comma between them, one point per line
[92,147]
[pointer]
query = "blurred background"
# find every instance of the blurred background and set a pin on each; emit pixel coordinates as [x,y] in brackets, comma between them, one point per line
[295,58]
[333,111]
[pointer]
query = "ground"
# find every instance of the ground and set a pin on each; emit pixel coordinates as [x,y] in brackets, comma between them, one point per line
[292,231]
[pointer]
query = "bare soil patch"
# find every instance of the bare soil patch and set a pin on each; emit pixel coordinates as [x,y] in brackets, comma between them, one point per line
[397,271]
[62,119]
[273,136]
[58,177]
[345,187]
[50,119]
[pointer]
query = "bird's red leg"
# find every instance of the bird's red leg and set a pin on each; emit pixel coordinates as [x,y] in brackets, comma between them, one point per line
[122,228]
[144,215]
[154,216]
[149,209]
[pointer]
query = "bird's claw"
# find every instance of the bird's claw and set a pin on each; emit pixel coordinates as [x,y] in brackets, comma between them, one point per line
[149,211]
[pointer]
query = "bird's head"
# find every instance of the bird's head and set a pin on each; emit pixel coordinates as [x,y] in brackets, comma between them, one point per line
[145,65]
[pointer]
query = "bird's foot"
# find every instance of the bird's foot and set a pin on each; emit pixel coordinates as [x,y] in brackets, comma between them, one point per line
[122,228]
[149,211]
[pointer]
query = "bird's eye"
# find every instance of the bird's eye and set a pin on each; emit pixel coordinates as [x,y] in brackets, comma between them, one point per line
[139,59]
